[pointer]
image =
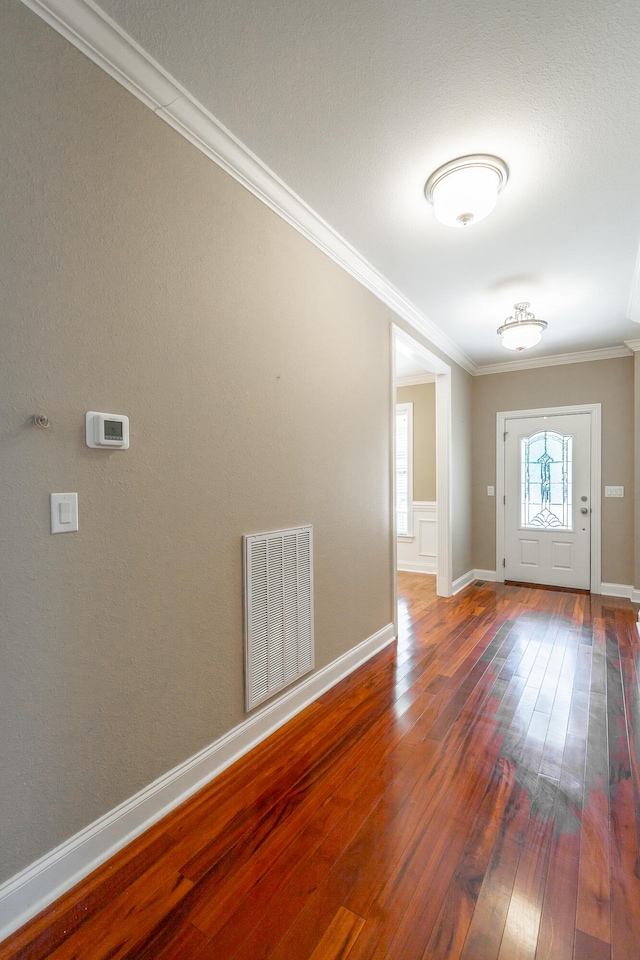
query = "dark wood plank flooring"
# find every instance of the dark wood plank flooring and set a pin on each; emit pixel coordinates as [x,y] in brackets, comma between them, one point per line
[472,792]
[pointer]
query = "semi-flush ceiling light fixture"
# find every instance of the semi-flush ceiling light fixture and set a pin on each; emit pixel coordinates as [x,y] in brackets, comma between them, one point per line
[523,330]
[466,190]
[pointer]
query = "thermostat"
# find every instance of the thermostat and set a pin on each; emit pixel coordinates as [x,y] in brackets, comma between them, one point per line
[107,430]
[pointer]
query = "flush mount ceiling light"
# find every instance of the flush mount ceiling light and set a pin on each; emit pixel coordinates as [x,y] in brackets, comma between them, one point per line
[521,331]
[466,190]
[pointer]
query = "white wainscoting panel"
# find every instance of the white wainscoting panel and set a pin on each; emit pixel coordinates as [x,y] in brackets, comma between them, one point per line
[418,554]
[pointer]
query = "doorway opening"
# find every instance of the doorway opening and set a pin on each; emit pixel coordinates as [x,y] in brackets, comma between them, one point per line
[411,361]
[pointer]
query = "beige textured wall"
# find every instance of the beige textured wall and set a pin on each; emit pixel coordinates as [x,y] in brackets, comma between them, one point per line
[462,471]
[609,382]
[139,278]
[636,471]
[423,398]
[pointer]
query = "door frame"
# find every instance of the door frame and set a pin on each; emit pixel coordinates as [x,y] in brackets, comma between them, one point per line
[442,371]
[595,413]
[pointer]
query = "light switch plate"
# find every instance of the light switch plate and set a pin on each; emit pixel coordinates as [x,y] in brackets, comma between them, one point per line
[64,512]
[614,491]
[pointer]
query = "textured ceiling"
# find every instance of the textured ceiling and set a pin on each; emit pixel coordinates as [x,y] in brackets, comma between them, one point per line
[353,103]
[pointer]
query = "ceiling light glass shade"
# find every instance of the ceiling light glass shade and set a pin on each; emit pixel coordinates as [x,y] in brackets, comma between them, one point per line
[523,331]
[465,190]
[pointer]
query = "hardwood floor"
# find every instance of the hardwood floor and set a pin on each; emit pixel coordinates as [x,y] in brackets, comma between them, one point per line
[472,793]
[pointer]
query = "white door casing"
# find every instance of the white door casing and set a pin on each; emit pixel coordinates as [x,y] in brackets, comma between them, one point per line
[550,541]
[553,556]
[442,370]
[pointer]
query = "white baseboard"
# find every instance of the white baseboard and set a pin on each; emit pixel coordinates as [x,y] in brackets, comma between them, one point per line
[617,590]
[462,582]
[34,888]
[606,589]
[469,577]
[427,566]
[489,575]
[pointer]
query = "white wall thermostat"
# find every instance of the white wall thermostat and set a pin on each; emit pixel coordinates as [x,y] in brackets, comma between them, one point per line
[107,430]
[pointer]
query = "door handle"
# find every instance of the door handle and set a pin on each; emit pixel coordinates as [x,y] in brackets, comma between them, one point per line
[584,510]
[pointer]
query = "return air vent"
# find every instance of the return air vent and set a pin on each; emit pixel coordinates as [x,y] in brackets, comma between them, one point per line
[278,570]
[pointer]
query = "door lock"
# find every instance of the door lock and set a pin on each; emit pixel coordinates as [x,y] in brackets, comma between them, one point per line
[584,499]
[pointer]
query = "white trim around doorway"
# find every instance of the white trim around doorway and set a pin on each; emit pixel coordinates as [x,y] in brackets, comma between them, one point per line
[594,410]
[442,371]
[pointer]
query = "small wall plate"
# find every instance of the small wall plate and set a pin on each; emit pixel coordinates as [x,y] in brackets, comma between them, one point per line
[107,430]
[64,512]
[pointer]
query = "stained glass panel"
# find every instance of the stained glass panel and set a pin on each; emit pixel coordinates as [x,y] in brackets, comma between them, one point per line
[545,480]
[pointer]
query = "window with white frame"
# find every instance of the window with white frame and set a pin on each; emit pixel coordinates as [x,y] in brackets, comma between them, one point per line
[404,469]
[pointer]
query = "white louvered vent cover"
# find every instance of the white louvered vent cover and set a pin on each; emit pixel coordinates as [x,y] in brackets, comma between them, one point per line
[278,610]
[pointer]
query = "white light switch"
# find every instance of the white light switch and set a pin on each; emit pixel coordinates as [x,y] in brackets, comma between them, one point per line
[491,492]
[614,491]
[64,512]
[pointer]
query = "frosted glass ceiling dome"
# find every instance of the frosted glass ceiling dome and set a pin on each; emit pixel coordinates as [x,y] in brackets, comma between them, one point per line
[465,191]
[523,330]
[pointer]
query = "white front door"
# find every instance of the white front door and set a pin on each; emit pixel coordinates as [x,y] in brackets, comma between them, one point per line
[547,504]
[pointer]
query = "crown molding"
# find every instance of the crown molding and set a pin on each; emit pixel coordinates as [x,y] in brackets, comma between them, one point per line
[583,356]
[96,35]
[633,345]
[91,31]
[633,312]
[104,42]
